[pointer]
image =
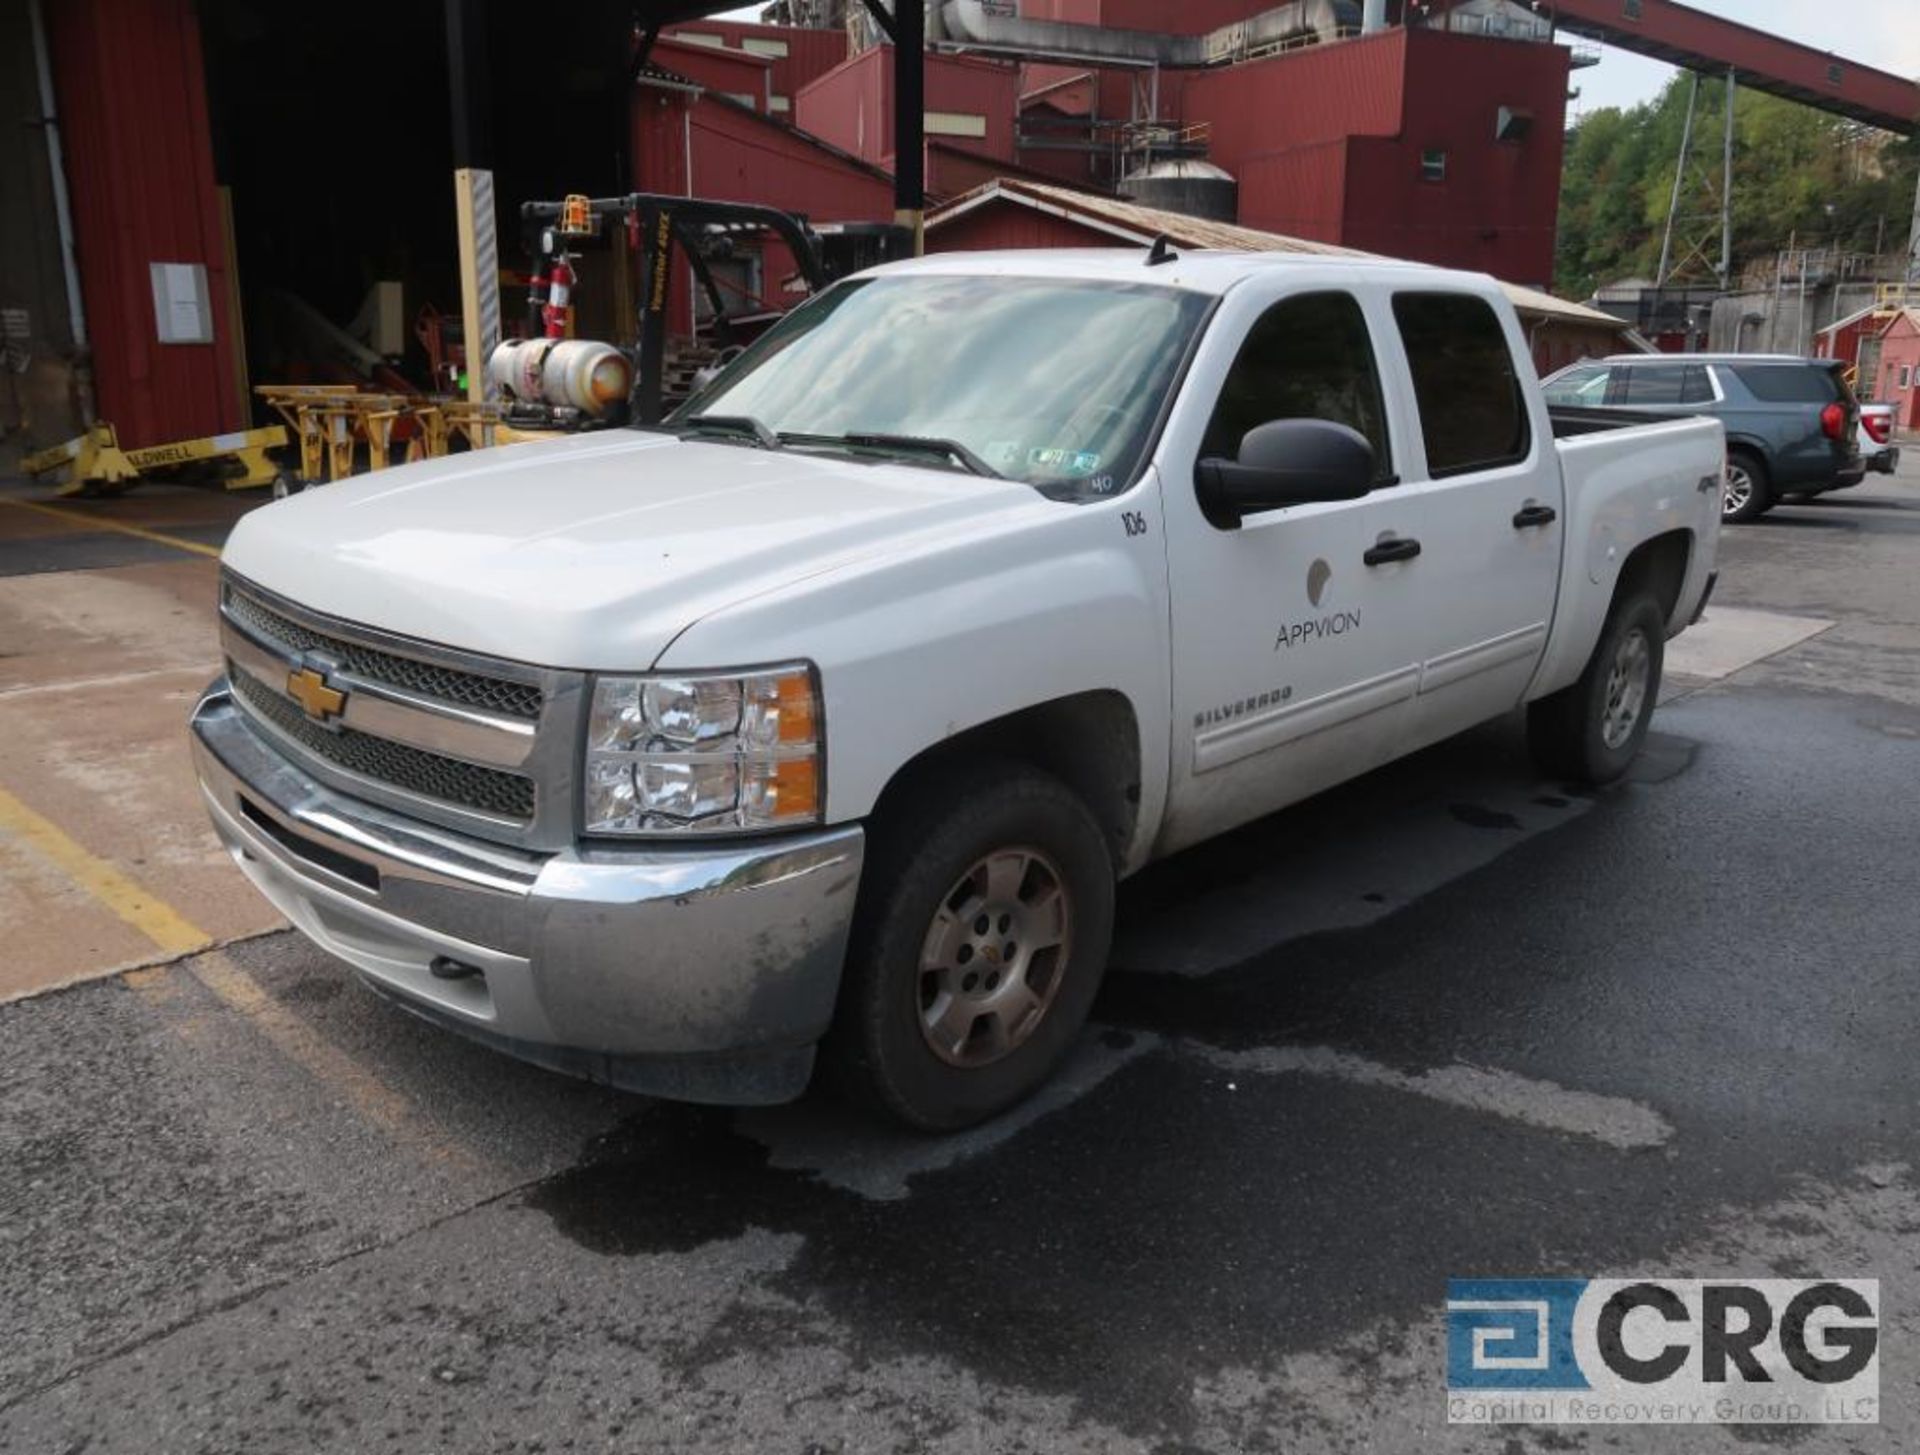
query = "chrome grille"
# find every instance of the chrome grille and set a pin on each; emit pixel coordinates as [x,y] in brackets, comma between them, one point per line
[448,684]
[413,770]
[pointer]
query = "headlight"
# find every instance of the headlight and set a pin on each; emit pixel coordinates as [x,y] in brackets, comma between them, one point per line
[704,754]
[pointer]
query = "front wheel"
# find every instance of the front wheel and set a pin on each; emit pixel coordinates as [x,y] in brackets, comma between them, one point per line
[1592,731]
[982,935]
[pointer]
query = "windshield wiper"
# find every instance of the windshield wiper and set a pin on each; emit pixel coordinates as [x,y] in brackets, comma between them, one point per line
[913,444]
[733,426]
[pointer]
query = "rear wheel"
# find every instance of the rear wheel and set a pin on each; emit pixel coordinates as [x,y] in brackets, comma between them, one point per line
[1592,731]
[1747,495]
[984,925]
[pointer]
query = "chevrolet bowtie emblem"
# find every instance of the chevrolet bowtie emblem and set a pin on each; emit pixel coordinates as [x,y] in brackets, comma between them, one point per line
[320,702]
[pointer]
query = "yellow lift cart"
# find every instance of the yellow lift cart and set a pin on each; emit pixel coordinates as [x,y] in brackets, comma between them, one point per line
[94,463]
[331,420]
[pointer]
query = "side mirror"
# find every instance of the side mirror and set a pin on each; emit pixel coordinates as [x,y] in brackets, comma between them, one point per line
[1285,462]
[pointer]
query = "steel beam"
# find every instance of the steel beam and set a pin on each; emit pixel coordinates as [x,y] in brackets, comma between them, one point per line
[1694,40]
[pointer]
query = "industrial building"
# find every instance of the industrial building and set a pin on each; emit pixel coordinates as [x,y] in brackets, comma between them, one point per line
[220,193]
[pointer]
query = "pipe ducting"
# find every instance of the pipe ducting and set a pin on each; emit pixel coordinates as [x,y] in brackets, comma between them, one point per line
[972,24]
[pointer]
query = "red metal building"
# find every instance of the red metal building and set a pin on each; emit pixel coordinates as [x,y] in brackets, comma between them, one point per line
[970,105]
[1900,368]
[139,158]
[1416,143]
[795,56]
[1842,338]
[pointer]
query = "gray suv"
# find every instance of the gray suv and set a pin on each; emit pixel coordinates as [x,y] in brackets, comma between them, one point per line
[1791,422]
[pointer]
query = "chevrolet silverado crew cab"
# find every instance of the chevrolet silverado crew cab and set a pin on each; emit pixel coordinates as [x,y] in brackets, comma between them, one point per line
[824,719]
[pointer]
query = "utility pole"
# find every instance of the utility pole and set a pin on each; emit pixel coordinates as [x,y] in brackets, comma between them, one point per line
[1913,245]
[1726,193]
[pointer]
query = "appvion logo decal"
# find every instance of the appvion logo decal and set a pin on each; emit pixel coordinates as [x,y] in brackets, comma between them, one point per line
[1299,633]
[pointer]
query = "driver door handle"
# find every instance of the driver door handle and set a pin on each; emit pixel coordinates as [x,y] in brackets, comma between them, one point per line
[1394,548]
[1530,516]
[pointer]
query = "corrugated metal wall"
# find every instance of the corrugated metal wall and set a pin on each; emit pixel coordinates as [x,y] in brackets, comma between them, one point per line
[133,102]
[1003,225]
[1355,88]
[741,75]
[1300,192]
[810,53]
[851,106]
[1497,210]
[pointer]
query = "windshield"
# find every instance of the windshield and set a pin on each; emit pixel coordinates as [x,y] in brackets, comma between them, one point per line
[1058,383]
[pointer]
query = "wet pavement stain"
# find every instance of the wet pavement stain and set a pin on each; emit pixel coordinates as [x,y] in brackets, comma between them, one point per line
[1180,1222]
[1129,1252]
[1474,816]
[672,1179]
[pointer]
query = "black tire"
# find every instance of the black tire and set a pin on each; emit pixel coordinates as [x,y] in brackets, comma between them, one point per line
[1749,500]
[920,850]
[1575,734]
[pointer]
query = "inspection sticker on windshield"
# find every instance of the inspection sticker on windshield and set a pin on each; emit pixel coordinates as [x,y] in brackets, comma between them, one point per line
[1065,462]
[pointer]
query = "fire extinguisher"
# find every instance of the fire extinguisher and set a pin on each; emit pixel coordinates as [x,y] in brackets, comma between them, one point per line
[557,314]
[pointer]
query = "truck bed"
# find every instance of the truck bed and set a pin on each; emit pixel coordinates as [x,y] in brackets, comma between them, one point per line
[1630,476]
[1570,420]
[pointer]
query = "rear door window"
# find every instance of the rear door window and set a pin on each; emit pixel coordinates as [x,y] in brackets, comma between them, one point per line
[1473,414]
[1788,383]
[1696,385]
[1653,384]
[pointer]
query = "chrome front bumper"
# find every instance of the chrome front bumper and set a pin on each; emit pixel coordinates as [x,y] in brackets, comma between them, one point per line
[704,972]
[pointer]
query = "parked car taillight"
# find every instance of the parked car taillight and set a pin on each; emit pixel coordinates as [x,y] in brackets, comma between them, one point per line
[1879,427]
[1833,420]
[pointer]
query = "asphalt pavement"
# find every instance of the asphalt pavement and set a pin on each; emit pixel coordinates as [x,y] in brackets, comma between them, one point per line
[1449,1021]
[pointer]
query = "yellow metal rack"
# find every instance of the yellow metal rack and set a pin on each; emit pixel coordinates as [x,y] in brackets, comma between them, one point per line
[94,463]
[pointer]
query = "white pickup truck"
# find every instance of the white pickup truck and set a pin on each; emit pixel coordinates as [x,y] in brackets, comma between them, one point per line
[831,713]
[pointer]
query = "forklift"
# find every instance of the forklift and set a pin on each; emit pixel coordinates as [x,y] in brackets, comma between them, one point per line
[551,382]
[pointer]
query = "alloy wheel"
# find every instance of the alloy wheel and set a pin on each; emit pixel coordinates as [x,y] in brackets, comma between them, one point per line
[1627,683]
[992,960]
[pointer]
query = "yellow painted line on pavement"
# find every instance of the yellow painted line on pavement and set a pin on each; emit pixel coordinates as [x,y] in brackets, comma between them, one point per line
[93,522]
[146,912]
[373,1099]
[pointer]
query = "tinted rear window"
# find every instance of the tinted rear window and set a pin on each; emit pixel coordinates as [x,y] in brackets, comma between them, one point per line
[1652,384]
[1788,383]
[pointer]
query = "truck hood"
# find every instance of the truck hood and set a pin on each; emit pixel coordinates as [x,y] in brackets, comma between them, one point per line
[596,551]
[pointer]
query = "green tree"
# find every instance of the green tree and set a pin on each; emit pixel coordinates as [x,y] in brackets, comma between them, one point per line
[1800,176]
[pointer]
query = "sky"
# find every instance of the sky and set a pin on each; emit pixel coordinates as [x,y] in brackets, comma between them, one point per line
[1882,33]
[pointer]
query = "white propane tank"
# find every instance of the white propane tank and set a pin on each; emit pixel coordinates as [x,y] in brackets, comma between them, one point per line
[573,373]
